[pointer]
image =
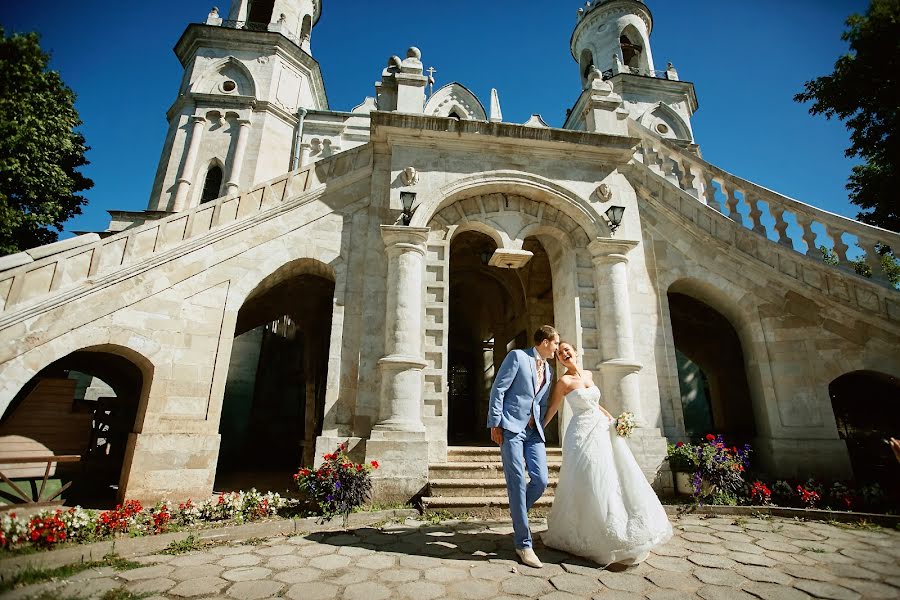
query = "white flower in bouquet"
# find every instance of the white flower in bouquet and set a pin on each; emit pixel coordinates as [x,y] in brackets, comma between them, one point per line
[625,424]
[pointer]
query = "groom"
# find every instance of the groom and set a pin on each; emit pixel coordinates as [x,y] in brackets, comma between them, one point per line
[517,405]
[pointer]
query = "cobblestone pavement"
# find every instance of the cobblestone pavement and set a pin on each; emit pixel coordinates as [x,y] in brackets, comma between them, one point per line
[711,558]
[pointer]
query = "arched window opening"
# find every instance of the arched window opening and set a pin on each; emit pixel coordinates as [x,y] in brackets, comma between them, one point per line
[631,52]
[454,115]
[587,61]
[306,28]
[260,13]
[212,187]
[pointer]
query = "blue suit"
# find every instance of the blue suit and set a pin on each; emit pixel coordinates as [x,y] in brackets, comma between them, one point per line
[513,402]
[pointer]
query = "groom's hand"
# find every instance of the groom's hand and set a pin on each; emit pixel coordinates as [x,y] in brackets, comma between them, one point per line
[497,435]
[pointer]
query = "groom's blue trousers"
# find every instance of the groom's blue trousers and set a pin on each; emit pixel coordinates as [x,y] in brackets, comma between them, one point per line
[521,451]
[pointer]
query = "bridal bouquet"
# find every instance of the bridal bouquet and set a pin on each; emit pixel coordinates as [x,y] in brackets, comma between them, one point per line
[625,424]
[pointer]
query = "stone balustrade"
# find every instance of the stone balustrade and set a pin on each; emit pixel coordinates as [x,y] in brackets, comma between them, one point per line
[25,279]
[793,224]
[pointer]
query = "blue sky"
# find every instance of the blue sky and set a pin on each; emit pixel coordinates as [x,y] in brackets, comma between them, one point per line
[746,59]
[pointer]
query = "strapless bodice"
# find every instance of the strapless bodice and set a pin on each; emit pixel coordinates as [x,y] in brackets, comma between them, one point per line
[583,399]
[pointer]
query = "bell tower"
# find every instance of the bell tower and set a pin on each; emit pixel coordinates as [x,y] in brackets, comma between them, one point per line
[611,44]
[236,121]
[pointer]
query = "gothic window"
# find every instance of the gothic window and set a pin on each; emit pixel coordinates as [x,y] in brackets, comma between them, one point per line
[213,184]
[260,13]
[631,50]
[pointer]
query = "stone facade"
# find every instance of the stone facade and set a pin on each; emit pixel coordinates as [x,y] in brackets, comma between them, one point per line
[309,229]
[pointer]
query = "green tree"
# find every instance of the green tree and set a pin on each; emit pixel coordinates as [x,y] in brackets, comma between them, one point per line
[864,92]
[40,151]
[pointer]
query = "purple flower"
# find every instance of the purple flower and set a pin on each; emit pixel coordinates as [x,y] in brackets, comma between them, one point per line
[337,485]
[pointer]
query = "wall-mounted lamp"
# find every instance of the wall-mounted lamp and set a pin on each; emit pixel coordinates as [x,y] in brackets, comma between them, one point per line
[614,217]
[408,199]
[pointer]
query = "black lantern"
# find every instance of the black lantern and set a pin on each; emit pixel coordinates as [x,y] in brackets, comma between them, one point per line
[614,217]
[408,199]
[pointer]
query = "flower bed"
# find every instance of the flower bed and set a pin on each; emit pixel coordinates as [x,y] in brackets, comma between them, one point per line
[48,529]
[721,474]
[339,486]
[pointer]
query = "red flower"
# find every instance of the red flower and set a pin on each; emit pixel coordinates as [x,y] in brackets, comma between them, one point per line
[374,464]
[679,444]
[710,437]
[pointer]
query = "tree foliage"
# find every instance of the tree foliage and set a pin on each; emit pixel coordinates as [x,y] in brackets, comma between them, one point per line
[864,92]
[40,151]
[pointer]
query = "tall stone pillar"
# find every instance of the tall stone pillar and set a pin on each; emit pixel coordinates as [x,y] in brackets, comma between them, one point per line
[237,162]
[398,440]
[619,368]
[187,169]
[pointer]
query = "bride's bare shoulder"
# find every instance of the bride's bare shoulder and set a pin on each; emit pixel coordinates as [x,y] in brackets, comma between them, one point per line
[588,376]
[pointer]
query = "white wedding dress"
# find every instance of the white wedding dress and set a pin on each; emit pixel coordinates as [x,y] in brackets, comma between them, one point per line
[603,509]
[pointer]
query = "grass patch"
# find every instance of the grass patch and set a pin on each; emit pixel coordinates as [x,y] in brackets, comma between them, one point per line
[254,541]
[188,544]
[861,524]
[32,575]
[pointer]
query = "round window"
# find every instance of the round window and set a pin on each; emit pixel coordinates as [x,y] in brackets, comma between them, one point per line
[229,86]
[662,128]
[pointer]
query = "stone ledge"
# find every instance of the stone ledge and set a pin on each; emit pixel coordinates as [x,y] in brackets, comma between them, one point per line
[142,546]
[808,514]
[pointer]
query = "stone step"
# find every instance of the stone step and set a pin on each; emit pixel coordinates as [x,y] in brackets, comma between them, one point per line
[475,488]
[489,454]
[468,504]
[477,470]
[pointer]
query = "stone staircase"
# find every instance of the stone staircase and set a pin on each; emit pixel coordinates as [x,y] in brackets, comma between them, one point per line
[472,481]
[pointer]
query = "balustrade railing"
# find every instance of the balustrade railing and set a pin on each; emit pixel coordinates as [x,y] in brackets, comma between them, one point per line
[791,223]
[27,280]
[269,27]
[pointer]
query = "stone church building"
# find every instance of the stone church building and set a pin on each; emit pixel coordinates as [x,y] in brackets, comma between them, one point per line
[304,276]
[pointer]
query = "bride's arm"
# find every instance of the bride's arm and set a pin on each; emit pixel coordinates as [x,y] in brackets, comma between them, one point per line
[555,400]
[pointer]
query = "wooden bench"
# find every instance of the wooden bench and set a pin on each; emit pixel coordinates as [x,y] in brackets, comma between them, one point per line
[10,464]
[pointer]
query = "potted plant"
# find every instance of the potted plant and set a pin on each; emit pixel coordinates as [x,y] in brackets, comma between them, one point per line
[338,486]
[683,462]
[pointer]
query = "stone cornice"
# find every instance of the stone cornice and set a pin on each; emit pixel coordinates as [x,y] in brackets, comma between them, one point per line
[627,83]
[392,126]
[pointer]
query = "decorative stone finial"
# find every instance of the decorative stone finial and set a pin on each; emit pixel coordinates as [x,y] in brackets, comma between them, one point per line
[414,52]
[394,61]
[605,192]
[409,176]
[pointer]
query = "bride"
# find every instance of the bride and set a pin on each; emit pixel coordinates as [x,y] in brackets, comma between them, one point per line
[604,509]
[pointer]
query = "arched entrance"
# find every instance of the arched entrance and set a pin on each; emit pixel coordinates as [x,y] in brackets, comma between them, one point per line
[275,391]
[867,412]
[84,404]
[715,395]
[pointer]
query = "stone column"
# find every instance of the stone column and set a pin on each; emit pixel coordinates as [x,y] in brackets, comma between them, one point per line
[237,162]
[187,169]
[304,154]
[398,439]
[619,367]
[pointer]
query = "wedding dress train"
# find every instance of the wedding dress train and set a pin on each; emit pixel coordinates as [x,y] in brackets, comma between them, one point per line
[603,508]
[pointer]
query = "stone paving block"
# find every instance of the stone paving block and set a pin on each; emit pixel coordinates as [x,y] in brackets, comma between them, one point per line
[419,562]
[719,577]
[830,558]
[475,589]
[153,559]
[420,590]
[524,585]
[889,569]
[617,595]
[752,559]
[772,591]
[671,550]
[313,550]
[812,573]
[329,563]
[255,590]
[547,571]
[247,574]
[355,551]
[871,589]
[301,575]
[299,540]
[375,561]
[588,570]
[703,538]
[289,561]
[624,582]
[762,574]
[351,576]
[366,591]
[192,560]
[797,558]
[39,590]
[240,560]
[92,573]
[187,573]
[674,581]
[276,550]
[491,572]
[445,574]
[200,586]
[151,572]
[228,550]
[575,584]
[95,588]
[315,590]
[743,547]
[150,586]
[736,537]
[842,571]
[666,563]
[777,546]
[399,575]
[708,560]
[720,592]
[561,596]
[670,595]
[821,589]
[716,548]
[730,527]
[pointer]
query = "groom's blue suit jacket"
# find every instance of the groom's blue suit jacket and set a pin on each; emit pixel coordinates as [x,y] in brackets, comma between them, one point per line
[513,398]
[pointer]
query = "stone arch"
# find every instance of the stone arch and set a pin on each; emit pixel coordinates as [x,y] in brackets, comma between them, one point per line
[213,181]
[673,125]
[306,259]
[455,97]
[586,62]
[527,185]
[634,48]
[214,79]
